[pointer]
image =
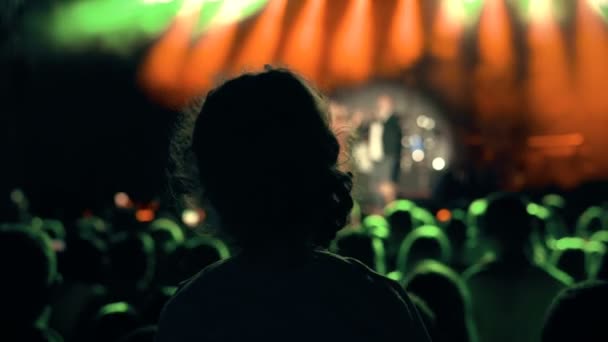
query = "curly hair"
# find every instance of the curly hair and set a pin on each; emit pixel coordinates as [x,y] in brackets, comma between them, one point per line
[266,161]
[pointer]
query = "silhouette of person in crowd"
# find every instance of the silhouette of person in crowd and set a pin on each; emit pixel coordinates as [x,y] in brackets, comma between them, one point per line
[29,275]
[282,285]
[447,296]
[578,314]
[509,291]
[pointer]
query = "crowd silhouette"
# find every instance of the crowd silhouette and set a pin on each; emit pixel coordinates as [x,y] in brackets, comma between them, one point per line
[290,260]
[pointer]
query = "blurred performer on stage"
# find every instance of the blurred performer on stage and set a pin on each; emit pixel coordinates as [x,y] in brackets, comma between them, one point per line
[385,151]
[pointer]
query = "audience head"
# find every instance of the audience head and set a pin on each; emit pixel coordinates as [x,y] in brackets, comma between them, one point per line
[578,314]
[446,295]
[144,334]
[167,234]
[506,225]
[376,225]
[132,262]
[29,273]
[426,242]
[590,222]
[385,105]
[570,256]
[112,322]
[601,269]
[399,217]
[85,259]
[278,152]
[200,252]
[363,247]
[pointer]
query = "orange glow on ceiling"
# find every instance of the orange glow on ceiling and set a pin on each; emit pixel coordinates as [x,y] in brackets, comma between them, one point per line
[262,42]
[447,30]
[304,51]
[351,56]
[160,70]
[591,61]
[496,37]
[406,40]
[549,91]
[206,60]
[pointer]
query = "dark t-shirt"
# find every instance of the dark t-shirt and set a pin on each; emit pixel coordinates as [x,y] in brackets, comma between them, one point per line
[322,298]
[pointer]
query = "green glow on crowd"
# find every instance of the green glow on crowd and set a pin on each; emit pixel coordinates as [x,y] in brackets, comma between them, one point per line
[377,226]
[112,308]
[399,205]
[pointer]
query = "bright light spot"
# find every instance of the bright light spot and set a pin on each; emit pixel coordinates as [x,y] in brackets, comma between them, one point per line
[122,200]
[152,2]
[144,215]
[191,218]
[540,10]
[418,155]
[421,121]
[190,6]
[425,122]
[600,6]
[438,164]
[444,215]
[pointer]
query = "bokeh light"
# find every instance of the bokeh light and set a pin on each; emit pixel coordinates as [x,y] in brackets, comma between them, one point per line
[438,164]
[418,155]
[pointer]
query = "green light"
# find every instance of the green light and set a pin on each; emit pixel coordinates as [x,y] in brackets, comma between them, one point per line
[173,228]
[472,8]
[422,216]
[569,243]
[122,24]
[601,7]
[377,226]
[584,221]
[112,308]
[399,205]
[478,207]
[553,200]
[424,232]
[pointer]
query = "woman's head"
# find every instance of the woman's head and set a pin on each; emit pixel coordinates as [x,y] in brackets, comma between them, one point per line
[267,162]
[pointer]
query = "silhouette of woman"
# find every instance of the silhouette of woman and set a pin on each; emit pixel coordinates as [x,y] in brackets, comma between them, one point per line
[267,164]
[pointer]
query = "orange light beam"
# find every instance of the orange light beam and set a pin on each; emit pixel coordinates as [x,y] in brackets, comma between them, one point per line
[161,68]
[262,42]
[206,60]
[406,41]
[496,37]
[591,57]
[447,29]
[549,79]
[351,56]
[304,46]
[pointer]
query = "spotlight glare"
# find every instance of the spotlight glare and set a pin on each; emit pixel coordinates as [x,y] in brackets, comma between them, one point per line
[418,155]
[438,164]
[191,218]
[122,200]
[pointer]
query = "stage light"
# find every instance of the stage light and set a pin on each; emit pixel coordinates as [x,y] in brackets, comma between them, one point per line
[406,41]
[122,200]
[444,215]
[601,7]
[438,164]
[191,218]
[304,50]
[145,215]
[418,155]
[262,41]
[351,56]
[496,37]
